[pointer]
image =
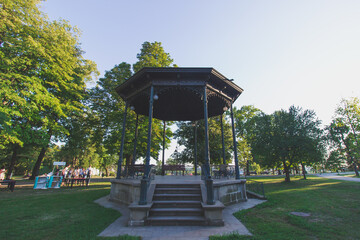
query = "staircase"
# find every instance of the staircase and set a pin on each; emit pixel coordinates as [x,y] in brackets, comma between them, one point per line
[176,205]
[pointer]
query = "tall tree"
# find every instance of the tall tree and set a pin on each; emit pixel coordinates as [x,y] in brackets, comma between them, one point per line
[288,138]
[244,119]
[344,131]
[343,142]
[43,75]
[108,106]
[152,55]
[185,137]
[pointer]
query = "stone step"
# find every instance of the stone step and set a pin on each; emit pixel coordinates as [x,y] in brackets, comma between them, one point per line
[176,212]
[181,196]
[177,204]
[176,221]
[169,185]
[177,190]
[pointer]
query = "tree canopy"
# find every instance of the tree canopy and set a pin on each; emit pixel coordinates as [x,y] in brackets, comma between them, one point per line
[344,132]
[108,108]
[185,135]
[43,77]
[287,138]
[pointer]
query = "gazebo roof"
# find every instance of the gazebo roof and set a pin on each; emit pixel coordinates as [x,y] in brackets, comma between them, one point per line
[179,92]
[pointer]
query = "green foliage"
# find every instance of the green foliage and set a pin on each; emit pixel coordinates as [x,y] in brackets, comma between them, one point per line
[152,55]
[287,138]
[185,136]
[244,126]
[335,161]
[344,131]
[108,110]
[42,74]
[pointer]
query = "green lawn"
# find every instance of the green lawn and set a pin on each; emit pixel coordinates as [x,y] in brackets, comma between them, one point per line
[334,207]
[55,213]
[72,214]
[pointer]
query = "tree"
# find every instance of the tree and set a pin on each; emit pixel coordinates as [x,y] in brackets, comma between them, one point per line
[287,138]
[244,124]
[152,55]
[342,143]
[186,137]
[108,107]
[43,76]
[345,129]
[335,161]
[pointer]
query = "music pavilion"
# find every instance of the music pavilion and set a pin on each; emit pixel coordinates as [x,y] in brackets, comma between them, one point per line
[177,94]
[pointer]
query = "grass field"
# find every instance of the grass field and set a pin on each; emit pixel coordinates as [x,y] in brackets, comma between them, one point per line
[72,214]
[334,207]
[55,213]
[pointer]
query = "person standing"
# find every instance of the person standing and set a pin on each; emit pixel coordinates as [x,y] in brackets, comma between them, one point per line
[88,173]
[2,173]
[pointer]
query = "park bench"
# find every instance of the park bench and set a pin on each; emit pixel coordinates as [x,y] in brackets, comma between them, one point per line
[223,171]
[174,168]
[10,184]
[136,170]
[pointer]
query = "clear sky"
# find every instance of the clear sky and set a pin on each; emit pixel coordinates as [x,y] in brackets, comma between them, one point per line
[282,53]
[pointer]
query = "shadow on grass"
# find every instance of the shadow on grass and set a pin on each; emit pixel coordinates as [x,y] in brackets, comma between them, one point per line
[63,213]
[334,207]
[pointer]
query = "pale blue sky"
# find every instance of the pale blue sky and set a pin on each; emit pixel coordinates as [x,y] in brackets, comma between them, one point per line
[281,53]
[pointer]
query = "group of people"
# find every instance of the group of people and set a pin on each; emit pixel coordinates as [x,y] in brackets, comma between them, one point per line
[78,172]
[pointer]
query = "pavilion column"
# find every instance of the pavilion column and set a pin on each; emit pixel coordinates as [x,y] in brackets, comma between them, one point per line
[163,150]
[147,160]
[222,139]
[118,174]
[135,139]
[237,173]
[207,153]
[195,150]
[145,180]
[208,180]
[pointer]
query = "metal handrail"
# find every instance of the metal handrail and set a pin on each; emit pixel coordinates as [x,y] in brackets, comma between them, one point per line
[144,184]
[206,176]
[255,188]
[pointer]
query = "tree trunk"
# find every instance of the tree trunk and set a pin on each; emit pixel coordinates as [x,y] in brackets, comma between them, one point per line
[347,149]
[355,168]
[287,174]
[12,162]
[35,171]
[247,168]
[303,170]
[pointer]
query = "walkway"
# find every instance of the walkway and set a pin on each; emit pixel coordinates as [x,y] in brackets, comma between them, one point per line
[119,227]
[338,177]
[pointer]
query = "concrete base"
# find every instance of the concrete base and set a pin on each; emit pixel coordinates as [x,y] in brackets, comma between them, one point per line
[124,191]
[227,191]
[213,213]
[138,214]
[230,191]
